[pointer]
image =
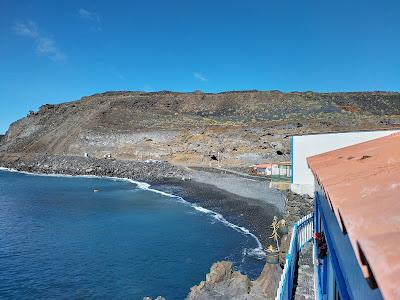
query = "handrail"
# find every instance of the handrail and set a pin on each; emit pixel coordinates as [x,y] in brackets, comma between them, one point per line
[301,234]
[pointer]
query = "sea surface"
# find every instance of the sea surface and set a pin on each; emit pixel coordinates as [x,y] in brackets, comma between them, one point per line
[60,239]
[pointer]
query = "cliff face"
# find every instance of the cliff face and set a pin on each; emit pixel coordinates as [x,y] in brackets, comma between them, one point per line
[237,128]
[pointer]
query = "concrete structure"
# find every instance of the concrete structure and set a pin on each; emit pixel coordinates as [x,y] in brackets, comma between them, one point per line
[303,146]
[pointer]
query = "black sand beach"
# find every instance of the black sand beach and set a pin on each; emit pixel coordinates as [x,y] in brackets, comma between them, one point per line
[255,215]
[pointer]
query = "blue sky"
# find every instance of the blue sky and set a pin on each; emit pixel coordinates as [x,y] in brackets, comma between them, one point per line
[56,51]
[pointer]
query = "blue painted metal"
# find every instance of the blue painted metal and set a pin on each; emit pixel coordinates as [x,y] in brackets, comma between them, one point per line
[317,286]
[298,240]
[333,258]
[340,264]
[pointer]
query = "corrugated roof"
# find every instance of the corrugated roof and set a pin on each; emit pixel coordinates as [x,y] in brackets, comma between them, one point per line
[362,185]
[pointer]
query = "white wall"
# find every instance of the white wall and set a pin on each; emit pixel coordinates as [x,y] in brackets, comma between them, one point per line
[304,146]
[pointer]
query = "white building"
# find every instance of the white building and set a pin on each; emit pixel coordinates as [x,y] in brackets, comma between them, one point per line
[303,146]
[280,169]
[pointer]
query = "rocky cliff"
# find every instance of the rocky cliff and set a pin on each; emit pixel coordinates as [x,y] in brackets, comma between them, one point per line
[224,284]
[237,128]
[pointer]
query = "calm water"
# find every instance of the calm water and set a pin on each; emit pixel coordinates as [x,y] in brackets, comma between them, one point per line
[59,239]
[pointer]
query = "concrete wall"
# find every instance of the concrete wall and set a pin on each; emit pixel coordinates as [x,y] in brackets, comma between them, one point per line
[304,146]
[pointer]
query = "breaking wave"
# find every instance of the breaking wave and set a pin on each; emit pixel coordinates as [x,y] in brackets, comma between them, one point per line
[257,252]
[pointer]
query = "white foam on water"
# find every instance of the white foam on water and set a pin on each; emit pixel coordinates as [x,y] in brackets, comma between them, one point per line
[254,252]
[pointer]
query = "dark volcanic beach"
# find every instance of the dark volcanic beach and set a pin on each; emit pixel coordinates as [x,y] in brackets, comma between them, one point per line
[254,214]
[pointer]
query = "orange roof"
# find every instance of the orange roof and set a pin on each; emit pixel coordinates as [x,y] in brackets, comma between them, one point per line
[362,185]
[261,166]
[284,163]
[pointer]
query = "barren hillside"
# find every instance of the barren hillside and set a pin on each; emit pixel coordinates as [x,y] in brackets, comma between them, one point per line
[238,128]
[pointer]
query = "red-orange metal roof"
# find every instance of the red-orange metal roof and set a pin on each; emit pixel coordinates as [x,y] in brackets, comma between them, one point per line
[262,166]
[362,185]
[284,163]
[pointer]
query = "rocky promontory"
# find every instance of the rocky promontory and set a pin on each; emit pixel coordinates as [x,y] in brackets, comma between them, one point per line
[151,171]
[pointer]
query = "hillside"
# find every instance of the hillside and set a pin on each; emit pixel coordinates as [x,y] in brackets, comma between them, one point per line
[238,128]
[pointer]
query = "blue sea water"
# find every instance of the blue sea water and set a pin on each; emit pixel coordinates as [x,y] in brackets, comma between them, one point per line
[60,239]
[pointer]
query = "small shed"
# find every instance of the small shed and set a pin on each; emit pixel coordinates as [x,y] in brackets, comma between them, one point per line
[262,169]
[281,169]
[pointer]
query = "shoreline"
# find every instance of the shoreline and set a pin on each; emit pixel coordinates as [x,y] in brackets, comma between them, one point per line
[258,252]
[250,216]
[253,214]
[243,202]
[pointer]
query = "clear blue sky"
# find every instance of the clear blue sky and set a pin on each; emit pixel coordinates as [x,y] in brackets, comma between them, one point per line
[54,51]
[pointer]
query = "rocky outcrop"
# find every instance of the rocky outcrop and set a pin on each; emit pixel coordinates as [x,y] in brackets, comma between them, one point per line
[296,206]
[224,283]
[151,171]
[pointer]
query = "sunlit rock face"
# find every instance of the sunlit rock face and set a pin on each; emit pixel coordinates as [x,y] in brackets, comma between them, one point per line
[224,283]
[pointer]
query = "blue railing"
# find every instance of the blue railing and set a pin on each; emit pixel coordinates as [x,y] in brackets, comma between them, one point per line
[301,234]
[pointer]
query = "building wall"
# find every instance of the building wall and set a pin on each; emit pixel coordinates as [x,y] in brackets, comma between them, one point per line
[340,264]
[278,170]
[275,170]
[308,145]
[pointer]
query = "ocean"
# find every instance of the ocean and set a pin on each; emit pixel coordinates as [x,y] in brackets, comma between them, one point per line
[61,239]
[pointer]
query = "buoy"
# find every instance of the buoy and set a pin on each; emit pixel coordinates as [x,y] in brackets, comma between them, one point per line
[95,191]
